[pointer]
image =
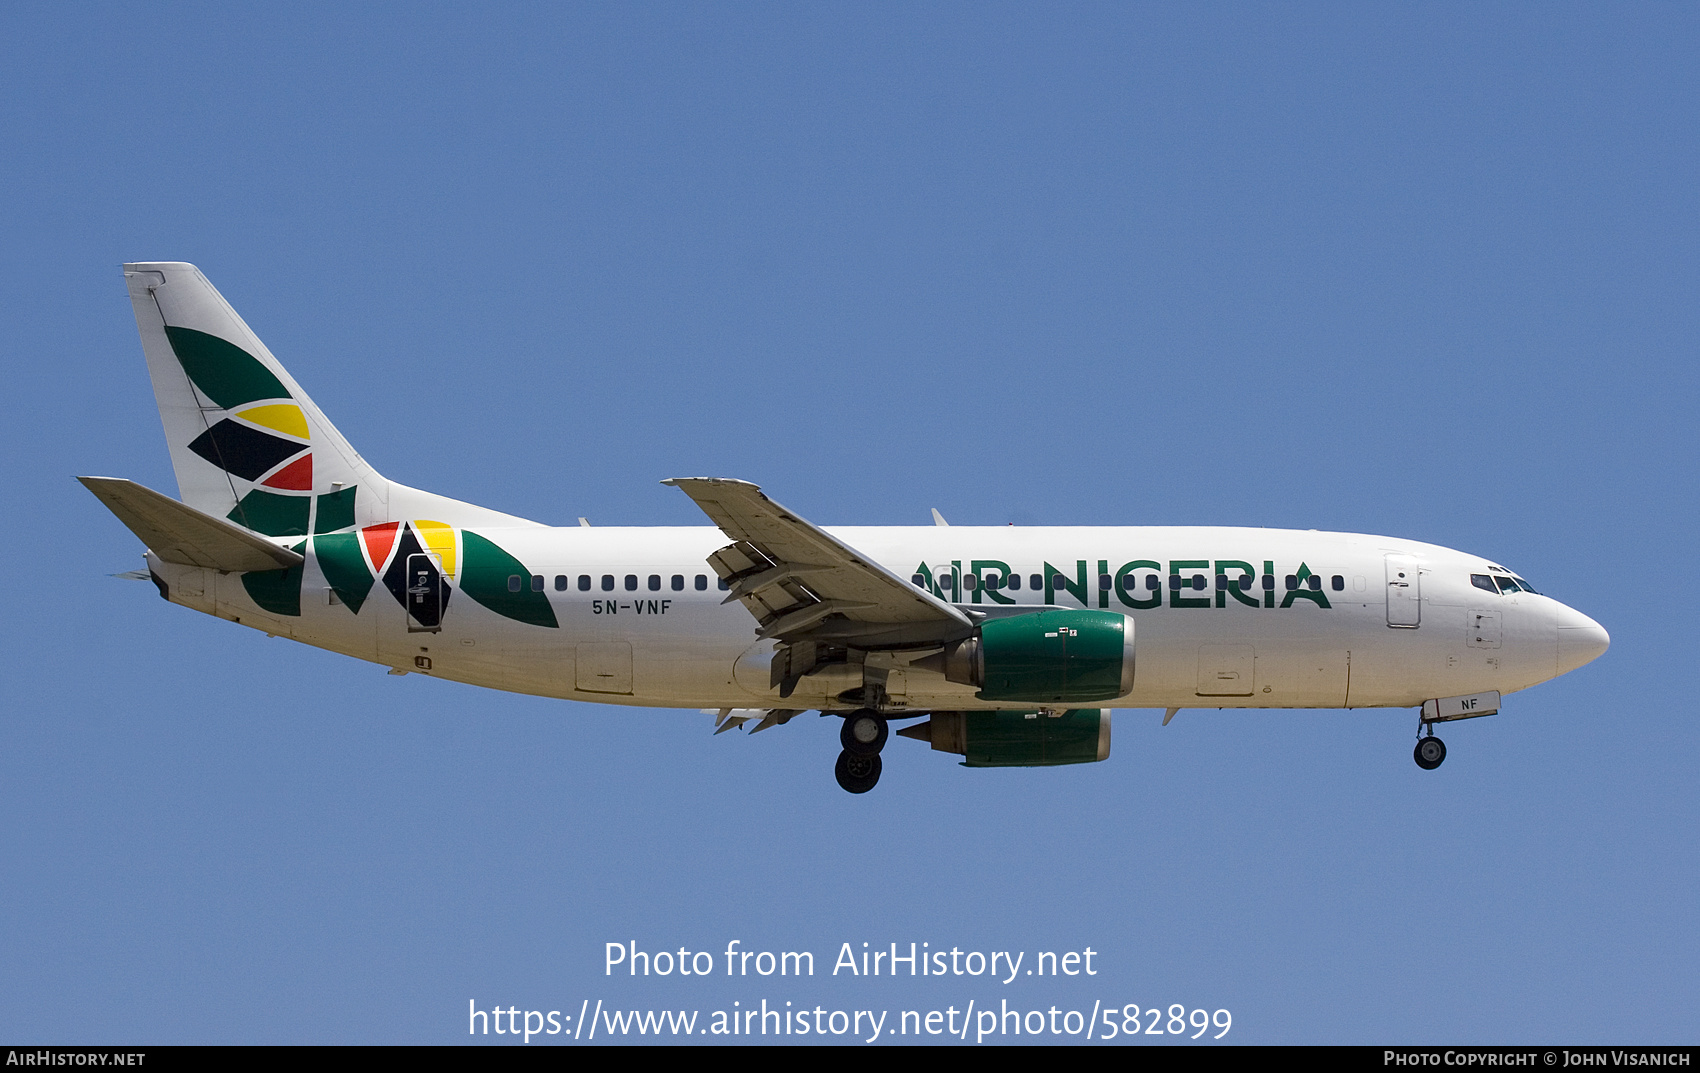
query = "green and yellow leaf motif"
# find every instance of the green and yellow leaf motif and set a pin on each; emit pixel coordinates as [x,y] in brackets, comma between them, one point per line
[485,570]
[225,373]
[344,567]
[277,591]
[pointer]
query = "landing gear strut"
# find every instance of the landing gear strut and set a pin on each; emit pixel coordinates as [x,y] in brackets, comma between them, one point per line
[863,735]
[1430,752]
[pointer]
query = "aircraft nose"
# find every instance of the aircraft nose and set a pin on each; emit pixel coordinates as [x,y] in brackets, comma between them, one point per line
[1580,639]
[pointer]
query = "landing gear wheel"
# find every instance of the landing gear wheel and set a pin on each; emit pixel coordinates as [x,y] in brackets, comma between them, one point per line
[864,733]
[1429,753]
[857,774]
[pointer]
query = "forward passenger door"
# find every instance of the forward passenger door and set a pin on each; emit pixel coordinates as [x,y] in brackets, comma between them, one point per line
[1404,592]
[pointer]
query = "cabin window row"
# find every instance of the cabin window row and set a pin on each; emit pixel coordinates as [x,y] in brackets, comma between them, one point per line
[1035,582]
[607,583]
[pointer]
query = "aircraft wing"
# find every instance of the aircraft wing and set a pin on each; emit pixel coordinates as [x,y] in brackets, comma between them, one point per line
[178,533]
[801,583]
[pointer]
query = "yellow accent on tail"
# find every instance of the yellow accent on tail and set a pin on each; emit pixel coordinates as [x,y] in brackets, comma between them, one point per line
[439,538]
[279,417]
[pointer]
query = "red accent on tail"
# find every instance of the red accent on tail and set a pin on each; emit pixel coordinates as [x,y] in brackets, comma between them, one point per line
[379,540]
[297,476]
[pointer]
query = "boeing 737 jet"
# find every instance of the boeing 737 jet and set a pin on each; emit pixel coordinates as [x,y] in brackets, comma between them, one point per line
[1006,646]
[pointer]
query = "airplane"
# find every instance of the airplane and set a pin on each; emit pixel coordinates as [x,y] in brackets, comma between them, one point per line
[1005,646]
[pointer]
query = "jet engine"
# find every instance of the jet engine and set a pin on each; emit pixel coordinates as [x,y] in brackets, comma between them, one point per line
[1043,658]
[1018,739]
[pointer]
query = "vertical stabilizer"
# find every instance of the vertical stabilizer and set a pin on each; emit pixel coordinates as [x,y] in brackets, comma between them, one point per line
[246,442]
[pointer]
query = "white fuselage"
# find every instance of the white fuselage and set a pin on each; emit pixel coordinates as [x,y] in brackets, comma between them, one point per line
[1365,639]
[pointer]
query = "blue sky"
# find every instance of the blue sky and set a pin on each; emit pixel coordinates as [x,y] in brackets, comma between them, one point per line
[1425,271]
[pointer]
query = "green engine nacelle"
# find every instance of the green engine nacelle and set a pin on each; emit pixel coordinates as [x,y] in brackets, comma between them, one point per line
[1019,739]
[1047,657]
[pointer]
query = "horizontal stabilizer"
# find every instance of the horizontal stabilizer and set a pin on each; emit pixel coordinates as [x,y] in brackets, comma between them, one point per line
[178,533]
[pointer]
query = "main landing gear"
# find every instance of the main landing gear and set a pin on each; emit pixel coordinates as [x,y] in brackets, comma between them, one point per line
[863,735]
[1430,752]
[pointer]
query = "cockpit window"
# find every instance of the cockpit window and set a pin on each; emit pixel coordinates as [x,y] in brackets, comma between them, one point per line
[1482,581]
[1507,585]
[1526,587]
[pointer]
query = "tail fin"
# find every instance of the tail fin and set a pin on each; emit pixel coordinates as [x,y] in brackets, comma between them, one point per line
[246,442]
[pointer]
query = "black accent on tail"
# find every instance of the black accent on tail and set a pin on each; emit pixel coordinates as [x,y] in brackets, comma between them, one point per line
[242,451]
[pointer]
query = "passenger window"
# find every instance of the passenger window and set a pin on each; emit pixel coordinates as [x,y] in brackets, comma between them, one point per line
[1198,582]
[1015,582]
[607,582]
[723,585]
[1482,581]
[994,582]
[560,583]
[1292,582]
[678,583]
[655,583]
[702,582]
[584,583]
[918,581]
[1268,582]
[971,582]
[1104,582]
[1338,581]
[1175,582]
[1221,582]
[1316,583]
[1152,584]
[631,582]
[514,581]
[1038,582]
[537,583]
[1058,581]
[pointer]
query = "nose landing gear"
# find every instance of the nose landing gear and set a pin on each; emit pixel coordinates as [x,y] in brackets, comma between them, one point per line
[863,736]
[1430,752]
